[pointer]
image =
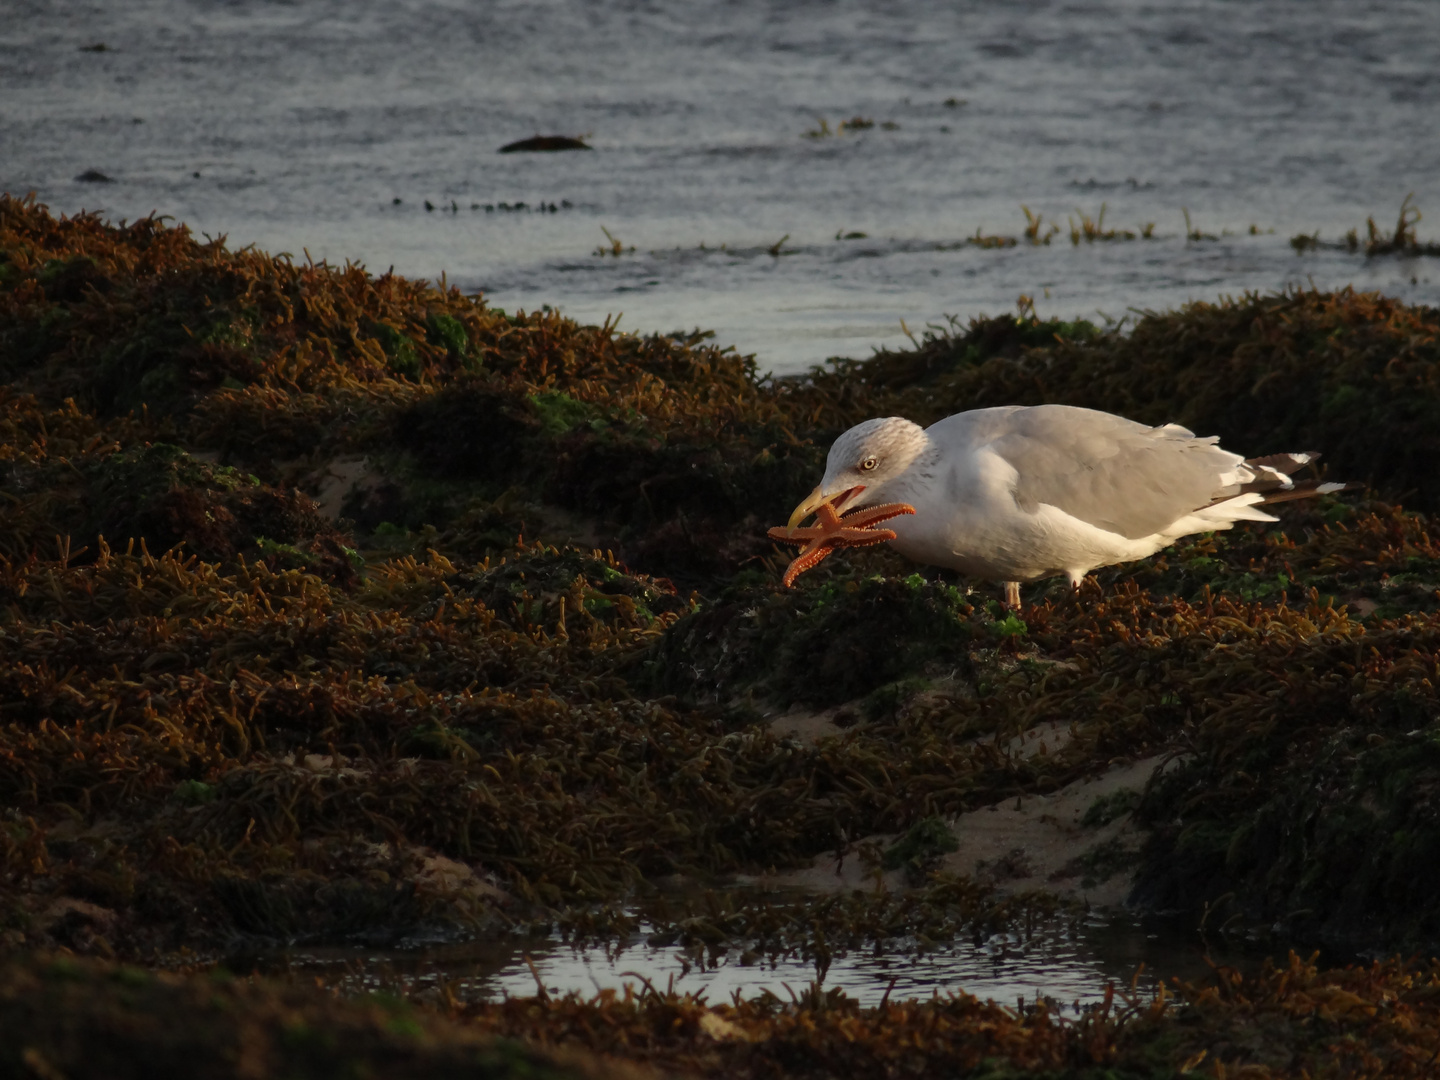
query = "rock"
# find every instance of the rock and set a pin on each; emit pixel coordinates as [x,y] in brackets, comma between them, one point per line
[544,142]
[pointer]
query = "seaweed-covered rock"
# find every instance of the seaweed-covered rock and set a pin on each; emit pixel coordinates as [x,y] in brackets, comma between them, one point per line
[823,645]
[63,1017]
[468,431]
[567,591]
[155,495]
[243,735]
[1322,819]
[160,493]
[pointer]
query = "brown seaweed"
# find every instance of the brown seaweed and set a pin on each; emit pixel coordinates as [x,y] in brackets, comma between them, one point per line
[524,674]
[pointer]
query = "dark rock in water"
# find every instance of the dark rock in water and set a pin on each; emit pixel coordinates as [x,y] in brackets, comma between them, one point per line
[94,176]
[544,142]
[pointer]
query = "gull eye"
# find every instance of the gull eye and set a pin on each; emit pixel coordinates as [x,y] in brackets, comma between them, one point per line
[869,464]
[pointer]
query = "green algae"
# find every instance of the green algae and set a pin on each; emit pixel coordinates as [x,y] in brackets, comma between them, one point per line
[923,844]
[399,348]
[1108,808]
[446,330]
[560,413]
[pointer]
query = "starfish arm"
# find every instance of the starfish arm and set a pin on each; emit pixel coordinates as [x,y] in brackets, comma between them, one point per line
[871,515]
[798,537]
[831,532]
[851,526]
[861,537]
[806,560]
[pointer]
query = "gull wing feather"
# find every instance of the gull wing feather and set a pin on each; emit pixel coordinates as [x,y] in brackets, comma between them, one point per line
[1110,472]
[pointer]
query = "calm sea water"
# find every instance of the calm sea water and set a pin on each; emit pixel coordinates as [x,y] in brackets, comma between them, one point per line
[296,125]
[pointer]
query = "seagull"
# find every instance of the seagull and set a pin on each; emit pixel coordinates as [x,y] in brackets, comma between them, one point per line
[1021,493]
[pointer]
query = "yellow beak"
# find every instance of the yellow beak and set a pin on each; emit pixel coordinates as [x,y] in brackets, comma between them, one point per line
[817,499]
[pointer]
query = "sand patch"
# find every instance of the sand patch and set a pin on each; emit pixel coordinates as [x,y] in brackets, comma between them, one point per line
[1018,845]
[338,479]
[1038,741]
[1042,842]
[810,726]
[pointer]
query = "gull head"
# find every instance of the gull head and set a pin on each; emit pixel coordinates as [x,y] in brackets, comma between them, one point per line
[862,462]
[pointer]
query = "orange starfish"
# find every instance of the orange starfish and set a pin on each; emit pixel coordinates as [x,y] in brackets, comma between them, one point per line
[831,531]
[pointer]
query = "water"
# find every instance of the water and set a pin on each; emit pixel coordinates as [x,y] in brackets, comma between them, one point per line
[306,120]
[1070,965]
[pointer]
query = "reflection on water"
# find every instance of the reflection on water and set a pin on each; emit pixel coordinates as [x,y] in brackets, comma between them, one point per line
[1070,964]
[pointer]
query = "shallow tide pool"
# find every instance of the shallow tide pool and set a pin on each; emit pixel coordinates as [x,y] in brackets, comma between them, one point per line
[1069,963]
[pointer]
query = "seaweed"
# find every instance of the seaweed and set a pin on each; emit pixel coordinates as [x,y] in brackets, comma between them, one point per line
[823,646]
[1289,1020]
[60,1017]
[1402,241]
[1336,847]
[923,844]
[520,667]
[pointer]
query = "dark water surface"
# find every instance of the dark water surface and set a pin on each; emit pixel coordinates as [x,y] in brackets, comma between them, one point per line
[305,121]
